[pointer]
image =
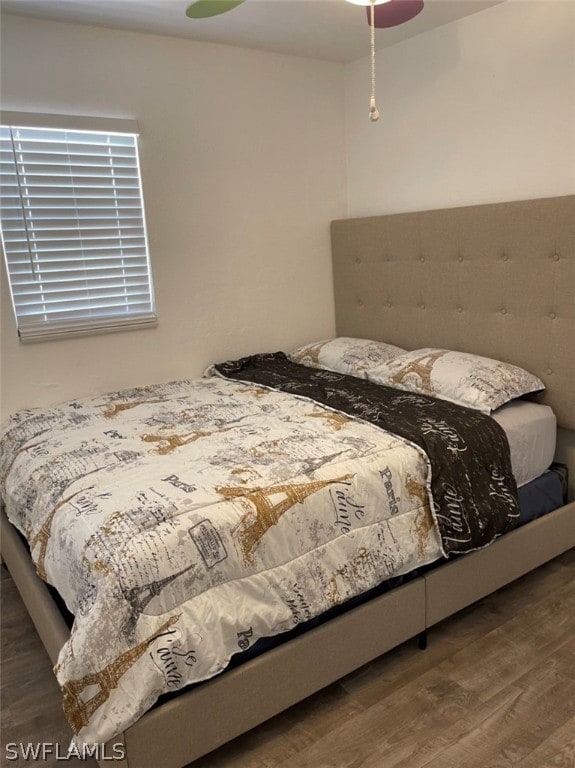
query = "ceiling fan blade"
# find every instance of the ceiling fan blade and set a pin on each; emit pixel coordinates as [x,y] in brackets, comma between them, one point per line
[202,9]
[395,12]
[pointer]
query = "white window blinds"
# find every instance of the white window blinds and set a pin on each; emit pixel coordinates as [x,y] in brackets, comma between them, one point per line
[73,231]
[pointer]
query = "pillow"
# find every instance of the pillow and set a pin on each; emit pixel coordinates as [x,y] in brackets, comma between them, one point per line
[344,355]
[460,377]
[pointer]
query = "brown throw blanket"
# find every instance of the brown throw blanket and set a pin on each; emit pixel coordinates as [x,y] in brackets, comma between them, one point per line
[474,494]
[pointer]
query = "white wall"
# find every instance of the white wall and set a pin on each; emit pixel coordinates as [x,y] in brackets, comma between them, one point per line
[244,165]
[478,111]
[242,157]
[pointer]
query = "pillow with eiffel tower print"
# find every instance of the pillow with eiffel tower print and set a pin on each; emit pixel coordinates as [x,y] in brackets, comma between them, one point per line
[462,378]
[353,357]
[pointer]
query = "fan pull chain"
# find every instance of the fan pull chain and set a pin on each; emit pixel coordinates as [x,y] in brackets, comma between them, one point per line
[373,110]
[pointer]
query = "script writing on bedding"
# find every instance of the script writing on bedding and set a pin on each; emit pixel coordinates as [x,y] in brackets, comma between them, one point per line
[182,522]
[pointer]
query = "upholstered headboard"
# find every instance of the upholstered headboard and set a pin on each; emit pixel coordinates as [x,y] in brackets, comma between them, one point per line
[497,280]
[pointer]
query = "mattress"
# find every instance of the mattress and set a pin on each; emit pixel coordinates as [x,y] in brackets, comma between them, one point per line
[544,494]
[531,430]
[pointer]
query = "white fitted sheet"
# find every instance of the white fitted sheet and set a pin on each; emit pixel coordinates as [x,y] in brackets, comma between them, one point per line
[531,429]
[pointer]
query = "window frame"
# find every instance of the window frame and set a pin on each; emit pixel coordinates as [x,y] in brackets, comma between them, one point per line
[111,321]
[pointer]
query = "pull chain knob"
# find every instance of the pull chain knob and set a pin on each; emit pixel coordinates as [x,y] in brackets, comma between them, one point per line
[373,110]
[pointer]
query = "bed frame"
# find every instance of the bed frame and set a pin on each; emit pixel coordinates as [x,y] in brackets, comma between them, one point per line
[497,280]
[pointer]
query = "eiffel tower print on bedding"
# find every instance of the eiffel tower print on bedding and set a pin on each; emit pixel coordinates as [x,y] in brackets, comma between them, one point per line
[182,522]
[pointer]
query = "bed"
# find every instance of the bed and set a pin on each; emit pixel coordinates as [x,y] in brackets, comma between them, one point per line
[498,280]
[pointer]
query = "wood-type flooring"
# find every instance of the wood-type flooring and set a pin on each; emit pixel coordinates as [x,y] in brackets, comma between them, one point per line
[494,689]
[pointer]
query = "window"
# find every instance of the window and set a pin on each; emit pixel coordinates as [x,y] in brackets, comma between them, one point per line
[73,228]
